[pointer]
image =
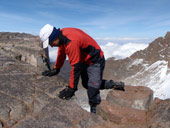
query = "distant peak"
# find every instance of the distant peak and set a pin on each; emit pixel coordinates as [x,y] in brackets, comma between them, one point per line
[167,36]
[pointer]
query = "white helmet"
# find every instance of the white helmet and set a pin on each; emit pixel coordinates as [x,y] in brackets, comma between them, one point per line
[45,33]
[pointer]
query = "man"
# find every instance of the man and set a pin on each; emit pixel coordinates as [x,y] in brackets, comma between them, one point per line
[86,58]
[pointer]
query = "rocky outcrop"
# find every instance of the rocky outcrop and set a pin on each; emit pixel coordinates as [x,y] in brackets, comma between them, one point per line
[138,97]
[24,47]
[157,50]
[135,108]
[127,109]
[30,100]
[158,115]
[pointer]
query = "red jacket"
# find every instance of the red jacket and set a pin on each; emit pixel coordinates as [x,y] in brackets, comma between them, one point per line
[80,48]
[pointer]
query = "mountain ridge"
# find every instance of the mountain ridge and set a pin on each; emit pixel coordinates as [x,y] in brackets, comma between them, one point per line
[148,67]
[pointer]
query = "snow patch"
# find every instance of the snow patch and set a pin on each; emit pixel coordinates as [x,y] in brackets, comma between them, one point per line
[165,83]
[155,77]
[160,44]
[137,62]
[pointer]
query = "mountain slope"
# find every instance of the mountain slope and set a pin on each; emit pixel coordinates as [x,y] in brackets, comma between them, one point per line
[149,67]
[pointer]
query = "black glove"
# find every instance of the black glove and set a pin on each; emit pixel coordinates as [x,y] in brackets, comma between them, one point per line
[119,86]
[51,73]
[67,93]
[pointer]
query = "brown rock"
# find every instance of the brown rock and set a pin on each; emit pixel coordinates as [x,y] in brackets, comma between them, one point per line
[167,36]
[122,116]
[24,47]
[136,97]
[30,100]
[158,115]
[127,109]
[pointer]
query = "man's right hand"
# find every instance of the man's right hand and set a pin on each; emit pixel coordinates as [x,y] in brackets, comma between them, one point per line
[67,93]
[51,73]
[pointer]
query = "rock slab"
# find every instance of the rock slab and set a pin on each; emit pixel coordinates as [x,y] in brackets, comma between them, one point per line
[136,97]
[158,115]
[127,108]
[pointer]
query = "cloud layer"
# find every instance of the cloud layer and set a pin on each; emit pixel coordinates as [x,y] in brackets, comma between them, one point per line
[119,51]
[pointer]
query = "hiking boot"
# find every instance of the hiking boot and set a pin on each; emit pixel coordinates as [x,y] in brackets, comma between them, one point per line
[118,85]
[93,109]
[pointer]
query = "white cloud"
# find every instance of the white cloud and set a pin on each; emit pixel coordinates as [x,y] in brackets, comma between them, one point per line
[120,39]
[110,50]
[121,51]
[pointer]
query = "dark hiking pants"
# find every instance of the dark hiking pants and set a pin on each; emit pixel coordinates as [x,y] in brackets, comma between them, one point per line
[92,81]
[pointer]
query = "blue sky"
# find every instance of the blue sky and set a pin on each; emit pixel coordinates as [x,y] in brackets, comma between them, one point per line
[119,20]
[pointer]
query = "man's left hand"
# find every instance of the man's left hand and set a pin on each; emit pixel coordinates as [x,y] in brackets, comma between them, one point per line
[51,73]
